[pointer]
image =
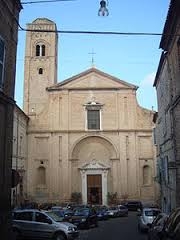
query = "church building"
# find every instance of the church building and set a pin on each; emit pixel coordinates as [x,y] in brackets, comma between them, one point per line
[86,134]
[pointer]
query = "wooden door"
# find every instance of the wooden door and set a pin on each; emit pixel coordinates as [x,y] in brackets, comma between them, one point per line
[94,189]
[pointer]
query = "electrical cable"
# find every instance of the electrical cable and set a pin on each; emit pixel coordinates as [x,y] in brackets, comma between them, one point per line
[98,32]
[45,1]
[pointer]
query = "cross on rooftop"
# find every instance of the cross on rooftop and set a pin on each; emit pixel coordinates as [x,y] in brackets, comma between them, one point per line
[92,57]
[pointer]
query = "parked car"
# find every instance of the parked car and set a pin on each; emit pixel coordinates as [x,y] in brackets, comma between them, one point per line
[134,205]
[171,230]
[65,214]
[27,205]
[46,206]
[155,229]
[123,211]
[84,217]
[146,217]
[35,224]
[113,211]
[102,212]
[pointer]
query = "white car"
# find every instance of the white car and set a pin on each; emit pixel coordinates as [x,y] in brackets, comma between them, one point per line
[146,217]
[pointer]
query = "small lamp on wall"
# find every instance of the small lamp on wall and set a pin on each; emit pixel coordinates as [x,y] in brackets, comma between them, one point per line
[103,11]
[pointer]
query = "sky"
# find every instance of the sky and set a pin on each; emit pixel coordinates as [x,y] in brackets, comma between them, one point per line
[130,58]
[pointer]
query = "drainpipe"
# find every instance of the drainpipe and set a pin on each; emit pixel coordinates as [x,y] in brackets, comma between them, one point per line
[17,143]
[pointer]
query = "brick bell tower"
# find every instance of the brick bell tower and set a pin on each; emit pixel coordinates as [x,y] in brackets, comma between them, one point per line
[40,69]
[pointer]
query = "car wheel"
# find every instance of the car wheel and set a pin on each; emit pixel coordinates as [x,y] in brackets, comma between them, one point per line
[87,225]
[16,234]
[139,228]
[59,236]
[96,224]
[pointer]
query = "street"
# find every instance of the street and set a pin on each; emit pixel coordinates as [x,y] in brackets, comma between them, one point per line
[124,228]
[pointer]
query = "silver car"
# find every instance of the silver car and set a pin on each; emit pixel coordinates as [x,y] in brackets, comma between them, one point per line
[113,211]
[36,224]
[146,217]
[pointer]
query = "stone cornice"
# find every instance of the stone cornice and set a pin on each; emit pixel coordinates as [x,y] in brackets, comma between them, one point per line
[46,131]
[89,89]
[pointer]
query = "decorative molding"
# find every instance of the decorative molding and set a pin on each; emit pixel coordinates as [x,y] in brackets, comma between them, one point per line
[74,159]
[40,136]
[115,159]
[94,165]
[41,159]
[146,159]
[84,131]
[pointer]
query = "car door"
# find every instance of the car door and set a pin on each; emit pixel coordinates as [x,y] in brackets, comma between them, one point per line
[43,226]
[23,220]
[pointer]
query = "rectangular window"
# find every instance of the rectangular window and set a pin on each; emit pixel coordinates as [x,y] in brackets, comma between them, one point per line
[93,119]
[2,57]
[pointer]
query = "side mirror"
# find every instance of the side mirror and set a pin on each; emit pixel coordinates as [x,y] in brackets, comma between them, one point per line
[48,221]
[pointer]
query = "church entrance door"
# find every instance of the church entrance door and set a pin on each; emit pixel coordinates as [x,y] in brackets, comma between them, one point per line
[94,189]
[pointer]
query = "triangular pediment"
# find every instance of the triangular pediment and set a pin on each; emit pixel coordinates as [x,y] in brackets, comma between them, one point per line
[94,165]
[92,79]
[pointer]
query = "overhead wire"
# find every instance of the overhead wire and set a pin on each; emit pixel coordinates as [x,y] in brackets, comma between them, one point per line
[97,32]
[45,1]
[88,32]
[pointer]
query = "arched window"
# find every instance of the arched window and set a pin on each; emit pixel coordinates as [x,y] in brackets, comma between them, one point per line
[146,175]
[40,70]
[40,50]
[37,50]
[43,50]
[41,176]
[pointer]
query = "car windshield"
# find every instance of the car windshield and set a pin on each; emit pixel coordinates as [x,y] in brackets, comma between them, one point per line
[59,213]
[54,216]
[151,213]
[81,212]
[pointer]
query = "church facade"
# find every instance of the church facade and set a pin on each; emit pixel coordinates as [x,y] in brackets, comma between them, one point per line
[86,134]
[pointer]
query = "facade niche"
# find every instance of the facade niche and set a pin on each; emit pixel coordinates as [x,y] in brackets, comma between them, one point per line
[41,176]
[146,175]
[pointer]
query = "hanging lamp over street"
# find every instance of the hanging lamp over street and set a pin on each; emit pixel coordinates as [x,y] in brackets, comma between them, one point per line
[103,11]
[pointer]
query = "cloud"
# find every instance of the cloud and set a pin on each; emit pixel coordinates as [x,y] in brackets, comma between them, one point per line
[148,80]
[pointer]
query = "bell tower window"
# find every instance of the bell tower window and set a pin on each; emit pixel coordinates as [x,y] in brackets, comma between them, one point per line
[43,50]
[40,70]
[40,50]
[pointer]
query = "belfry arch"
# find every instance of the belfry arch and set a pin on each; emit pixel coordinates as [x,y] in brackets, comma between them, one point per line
[91,162]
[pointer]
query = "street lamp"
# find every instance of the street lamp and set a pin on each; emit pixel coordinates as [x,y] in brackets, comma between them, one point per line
[103,11]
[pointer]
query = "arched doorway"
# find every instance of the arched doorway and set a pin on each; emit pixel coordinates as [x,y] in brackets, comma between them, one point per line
[90,164]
